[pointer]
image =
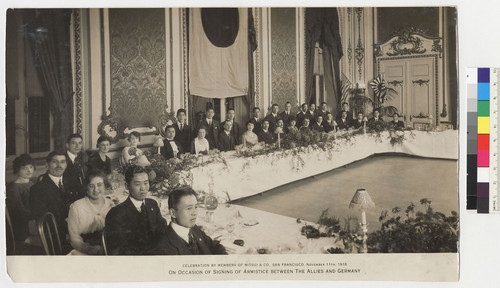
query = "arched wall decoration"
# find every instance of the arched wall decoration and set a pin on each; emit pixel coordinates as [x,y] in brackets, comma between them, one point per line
[78,71]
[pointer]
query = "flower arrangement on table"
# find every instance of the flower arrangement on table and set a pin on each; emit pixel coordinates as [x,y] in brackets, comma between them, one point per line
[176,172]
[398,136]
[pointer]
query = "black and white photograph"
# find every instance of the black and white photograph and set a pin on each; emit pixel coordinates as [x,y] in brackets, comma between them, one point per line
[291,142]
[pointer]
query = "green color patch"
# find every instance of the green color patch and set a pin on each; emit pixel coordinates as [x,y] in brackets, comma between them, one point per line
[483,108]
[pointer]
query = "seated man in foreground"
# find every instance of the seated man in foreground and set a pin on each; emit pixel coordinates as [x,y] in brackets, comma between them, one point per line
[182,236]
[135,226]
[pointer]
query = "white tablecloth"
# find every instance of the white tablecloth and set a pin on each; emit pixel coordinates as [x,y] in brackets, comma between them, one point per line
[247,176]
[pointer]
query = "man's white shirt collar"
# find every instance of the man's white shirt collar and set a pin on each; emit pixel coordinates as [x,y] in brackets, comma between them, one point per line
[137,203]
[72,156]
[55,179]
[182,231]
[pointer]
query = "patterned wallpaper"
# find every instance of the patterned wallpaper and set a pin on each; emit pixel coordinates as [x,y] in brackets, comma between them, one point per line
[138,71]
[284,56]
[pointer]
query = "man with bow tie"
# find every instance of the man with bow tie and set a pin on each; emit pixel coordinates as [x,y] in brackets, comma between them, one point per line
[273,117]
[343,123]
[171,148]
[183,236]
[135,226]
[182,131]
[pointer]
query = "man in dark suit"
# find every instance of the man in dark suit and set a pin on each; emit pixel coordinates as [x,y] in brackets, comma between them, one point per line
[273,117]
[376,123]
[323,110]
[235,127]
[257,127]
[343,123]
[171,148]
[76,161]
[395,124]
[226,141]
[318,124]
[303,113]
[182,236]
[135,226]
[265,135]
[212,127]
[182,131]
[312,112]
[345,107]
[54,193]
[287,114]
[359,122]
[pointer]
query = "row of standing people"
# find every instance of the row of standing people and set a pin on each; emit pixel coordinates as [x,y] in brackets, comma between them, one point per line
[209,134]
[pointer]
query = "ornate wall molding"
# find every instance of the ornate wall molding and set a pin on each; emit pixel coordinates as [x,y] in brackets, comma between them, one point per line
[360,50]
[395,82]
[185,59]
[349,46]
[421,82]
[78,71]
[256,58]
[408,41]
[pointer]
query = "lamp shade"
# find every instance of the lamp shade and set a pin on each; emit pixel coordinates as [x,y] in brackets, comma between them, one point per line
[361,200]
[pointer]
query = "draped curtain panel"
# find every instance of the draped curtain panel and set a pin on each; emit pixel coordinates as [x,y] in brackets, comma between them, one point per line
[322,26]
[218,52]
[138,66]
[50,44]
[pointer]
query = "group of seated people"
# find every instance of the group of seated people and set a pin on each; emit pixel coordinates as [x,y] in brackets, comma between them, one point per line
[209,134]
[133,227]
[73,187]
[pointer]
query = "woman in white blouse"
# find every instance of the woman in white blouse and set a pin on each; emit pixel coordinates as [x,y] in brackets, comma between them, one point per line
[133,155]
[200,144]
[87,217]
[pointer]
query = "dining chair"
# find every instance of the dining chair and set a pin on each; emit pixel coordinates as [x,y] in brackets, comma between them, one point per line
[11,240]
[49,234]
[103,239]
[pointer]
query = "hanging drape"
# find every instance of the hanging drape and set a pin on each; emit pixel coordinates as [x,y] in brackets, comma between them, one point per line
[50,36]
[322,25]
[218,52]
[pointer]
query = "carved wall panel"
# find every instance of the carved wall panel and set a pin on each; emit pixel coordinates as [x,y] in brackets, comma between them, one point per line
[138,71]
[283,56]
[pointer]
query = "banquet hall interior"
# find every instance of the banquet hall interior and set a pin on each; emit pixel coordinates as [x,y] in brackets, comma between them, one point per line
[112,72]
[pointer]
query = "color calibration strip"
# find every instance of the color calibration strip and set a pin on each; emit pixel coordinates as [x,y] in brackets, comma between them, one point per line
[494,125]
[483,140]
[472,139]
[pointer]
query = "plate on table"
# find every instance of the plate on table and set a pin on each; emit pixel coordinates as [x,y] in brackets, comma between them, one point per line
[332,249]
[250,222]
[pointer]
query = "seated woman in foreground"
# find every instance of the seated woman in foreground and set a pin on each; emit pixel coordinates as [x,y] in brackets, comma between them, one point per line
[133,155]
[249,138]
[200,145]
[87,217]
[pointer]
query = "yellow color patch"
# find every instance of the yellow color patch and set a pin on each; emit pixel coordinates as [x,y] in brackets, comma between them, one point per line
[483,125]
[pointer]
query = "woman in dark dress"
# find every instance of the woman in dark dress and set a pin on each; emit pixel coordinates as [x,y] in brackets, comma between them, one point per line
[99,161]
[17,200]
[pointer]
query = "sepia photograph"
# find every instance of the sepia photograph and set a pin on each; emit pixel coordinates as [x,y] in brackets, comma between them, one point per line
[291,142]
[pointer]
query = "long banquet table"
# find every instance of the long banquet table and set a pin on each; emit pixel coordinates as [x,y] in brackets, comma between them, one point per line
[246,176]
[272,233]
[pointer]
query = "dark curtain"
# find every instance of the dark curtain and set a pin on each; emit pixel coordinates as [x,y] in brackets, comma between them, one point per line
[50,36]
[322,25]
[252,46]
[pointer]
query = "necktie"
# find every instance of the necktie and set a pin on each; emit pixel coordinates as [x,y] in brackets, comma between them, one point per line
[61,186]
[181,126]
[192,246]
[143,211]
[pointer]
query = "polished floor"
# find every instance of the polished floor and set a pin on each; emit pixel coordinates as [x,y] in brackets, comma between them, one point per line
[391,180]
